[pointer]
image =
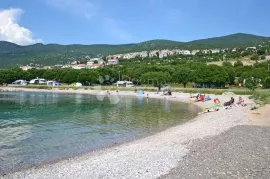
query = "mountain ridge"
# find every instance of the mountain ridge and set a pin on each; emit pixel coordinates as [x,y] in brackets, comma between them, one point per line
[223,36]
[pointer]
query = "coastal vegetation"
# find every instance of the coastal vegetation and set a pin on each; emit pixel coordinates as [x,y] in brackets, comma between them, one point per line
[188,73]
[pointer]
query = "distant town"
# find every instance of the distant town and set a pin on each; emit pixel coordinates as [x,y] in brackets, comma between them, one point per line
[93,63]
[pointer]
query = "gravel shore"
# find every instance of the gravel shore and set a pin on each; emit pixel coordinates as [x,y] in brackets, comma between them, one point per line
[150,157]
[242,152]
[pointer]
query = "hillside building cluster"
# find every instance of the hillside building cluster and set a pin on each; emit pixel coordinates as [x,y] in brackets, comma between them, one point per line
[93,63]
[162,53]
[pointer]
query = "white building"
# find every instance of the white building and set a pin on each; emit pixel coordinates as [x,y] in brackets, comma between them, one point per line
[186,52]
[79,67]
[215,50]
[251,48]
[74,62]
[112,62]
[193,52]
[25,68]
[98,60]
[153,53]
[163,53]
[206,51]
[234,50]
[143,54]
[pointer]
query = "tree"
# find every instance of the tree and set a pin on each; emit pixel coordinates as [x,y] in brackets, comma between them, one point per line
[254,57]
[251,84]
[261,51]
[231,73]
[266,83]
[227,64]
[50,74]
[92,76]
[70,76]
[238,63]
[183,76]
[88,76]
[82,77]
[157,77]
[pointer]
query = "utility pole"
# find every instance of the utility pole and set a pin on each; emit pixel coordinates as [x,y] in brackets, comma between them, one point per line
[119,75]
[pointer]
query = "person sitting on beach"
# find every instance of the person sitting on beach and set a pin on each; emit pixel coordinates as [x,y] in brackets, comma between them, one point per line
[240,101]
[216,101]
[201,98]
[229,103]
[197,96]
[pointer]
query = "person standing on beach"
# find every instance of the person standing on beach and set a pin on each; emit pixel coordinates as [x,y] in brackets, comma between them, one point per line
[158,88]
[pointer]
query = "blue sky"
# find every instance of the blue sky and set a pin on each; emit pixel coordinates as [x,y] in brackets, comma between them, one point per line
[126,21]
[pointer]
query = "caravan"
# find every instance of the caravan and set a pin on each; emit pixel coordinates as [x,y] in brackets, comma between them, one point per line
[127,84]
[38,81]
[18,83]
[53,83]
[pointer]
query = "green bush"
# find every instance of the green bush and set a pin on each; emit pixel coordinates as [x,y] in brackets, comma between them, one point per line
[251,84]
[266,83]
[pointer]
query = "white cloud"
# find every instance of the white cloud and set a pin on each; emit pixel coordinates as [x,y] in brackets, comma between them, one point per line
[11,31]
[114,28]
[84,8]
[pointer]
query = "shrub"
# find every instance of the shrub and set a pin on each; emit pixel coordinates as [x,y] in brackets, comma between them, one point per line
[266,83]
[251,84]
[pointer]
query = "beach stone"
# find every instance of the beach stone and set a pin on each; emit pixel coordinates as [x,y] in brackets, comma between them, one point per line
[241,152]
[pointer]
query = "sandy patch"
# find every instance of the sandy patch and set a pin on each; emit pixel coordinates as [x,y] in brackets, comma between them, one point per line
[260,117]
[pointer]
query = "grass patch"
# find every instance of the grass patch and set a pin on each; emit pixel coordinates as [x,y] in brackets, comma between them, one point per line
[263,96]
[213,91]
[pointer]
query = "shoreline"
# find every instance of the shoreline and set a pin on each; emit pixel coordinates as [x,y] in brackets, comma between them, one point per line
[163,150]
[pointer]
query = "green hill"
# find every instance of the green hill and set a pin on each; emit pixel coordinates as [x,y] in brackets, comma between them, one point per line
[234,40]
[50,54]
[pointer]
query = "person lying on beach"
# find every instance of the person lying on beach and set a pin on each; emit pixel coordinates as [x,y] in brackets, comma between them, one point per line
[206,98]
[210,110]
[169,93]
[201,98]
[229,103]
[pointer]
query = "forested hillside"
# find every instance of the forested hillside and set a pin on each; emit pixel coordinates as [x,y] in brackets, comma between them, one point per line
[51,54]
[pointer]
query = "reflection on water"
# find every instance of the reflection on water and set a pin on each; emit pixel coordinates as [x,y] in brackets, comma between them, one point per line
[42,127]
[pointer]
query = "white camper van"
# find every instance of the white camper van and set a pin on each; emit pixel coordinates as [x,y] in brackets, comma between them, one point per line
[39,81]
[127,84]
[18,83]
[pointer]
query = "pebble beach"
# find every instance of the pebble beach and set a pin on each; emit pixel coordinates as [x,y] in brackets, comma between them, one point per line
[160,155]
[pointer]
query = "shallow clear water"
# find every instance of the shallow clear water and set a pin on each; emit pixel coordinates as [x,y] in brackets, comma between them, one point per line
[40,127]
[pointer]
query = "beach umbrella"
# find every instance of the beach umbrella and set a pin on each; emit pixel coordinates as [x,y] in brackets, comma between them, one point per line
[140,92]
